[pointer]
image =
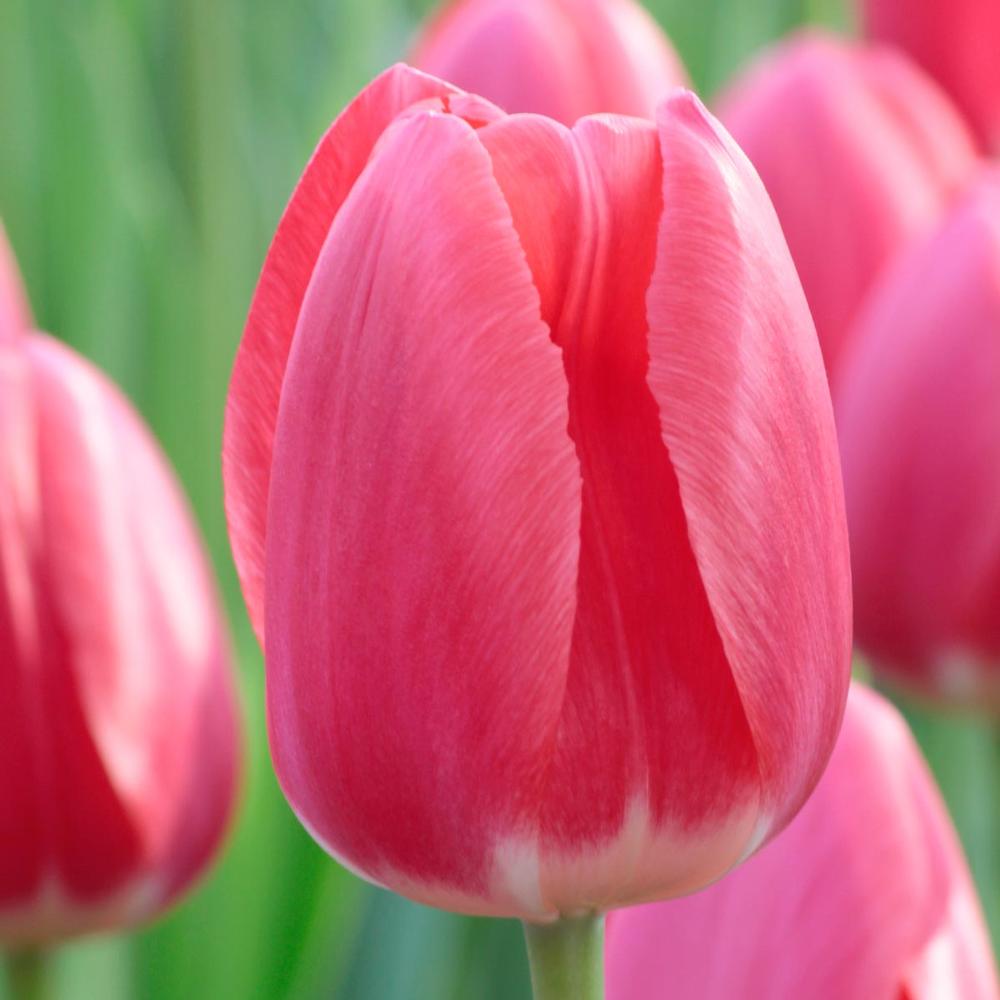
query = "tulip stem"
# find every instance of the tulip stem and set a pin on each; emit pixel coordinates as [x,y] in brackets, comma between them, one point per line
[29,975]
[567,958]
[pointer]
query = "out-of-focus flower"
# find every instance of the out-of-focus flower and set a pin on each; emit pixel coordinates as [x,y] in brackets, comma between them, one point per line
[118,714]
[919,417]
[957,42]
[866,896]
[560,58]
[531,470]
[859,151]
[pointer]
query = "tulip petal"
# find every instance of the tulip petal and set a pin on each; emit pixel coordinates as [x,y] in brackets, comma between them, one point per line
[259,368]
[132,658]
[736,372]
[21,821]
[560,58]
[422,537]
[865,895]
[918,410]
[649,693]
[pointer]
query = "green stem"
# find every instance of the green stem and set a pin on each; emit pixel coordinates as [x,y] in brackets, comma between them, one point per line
[567,958]
[29,975]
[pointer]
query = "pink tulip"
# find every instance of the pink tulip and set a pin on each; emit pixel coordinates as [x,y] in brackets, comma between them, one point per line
[919,414]
[866,896]
[859,151]
[957,42]
[118,715]
[561,58]
[532,475]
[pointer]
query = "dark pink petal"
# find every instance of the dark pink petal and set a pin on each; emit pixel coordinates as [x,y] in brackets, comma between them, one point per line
[866,895]
[258,372]
[423,534]
[736,373]
[133,747]
[560,58]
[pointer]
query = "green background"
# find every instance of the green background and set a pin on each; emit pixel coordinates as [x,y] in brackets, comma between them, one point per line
[147,148]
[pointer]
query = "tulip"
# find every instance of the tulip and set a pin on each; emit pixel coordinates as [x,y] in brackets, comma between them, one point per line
[532,483]
[866,896]
[118,713]
[860,153]
[561,58]
[956,43]
[919,416]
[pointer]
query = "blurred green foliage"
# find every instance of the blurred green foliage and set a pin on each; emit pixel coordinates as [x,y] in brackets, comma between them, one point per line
[147,149]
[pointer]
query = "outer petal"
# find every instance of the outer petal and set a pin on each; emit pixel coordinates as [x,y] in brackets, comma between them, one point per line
[22,858]
[919,417]
[422,536]
[258,372]
[956,43]
[745,413]
[649,694]
[859,152]
[866,896]
[561,58]
[134,746]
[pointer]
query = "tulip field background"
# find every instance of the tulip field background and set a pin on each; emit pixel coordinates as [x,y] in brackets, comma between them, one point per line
[146,150]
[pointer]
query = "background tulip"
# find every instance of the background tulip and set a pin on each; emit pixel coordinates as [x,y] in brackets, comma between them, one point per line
[866,896]
[859,151]
[537,493]
[919,418]
[118,714]
[957,43]
[561,58]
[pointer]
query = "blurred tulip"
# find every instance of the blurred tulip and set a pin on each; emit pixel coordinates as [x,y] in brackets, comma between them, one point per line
[859,152]
[957,42]
[118,714]
[545,510]
[919,416]
[561,58]
[866,896]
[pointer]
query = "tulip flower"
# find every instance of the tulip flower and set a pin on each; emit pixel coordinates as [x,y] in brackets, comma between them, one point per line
[866,896]
[532,483]
[919,416]
[860,153]
[956,43]
[561,58]
[118,714]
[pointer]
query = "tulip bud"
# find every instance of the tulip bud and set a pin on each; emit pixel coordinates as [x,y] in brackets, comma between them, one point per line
[957,43]
[561,58]
[859,151]
[531,475]
[118,714]
[865,895]
[919,418]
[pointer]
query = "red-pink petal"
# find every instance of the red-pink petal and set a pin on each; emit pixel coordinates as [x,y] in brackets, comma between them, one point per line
[423,532]
[649,692]
[258,372]
[560,58]
[866,895]
[745,413]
